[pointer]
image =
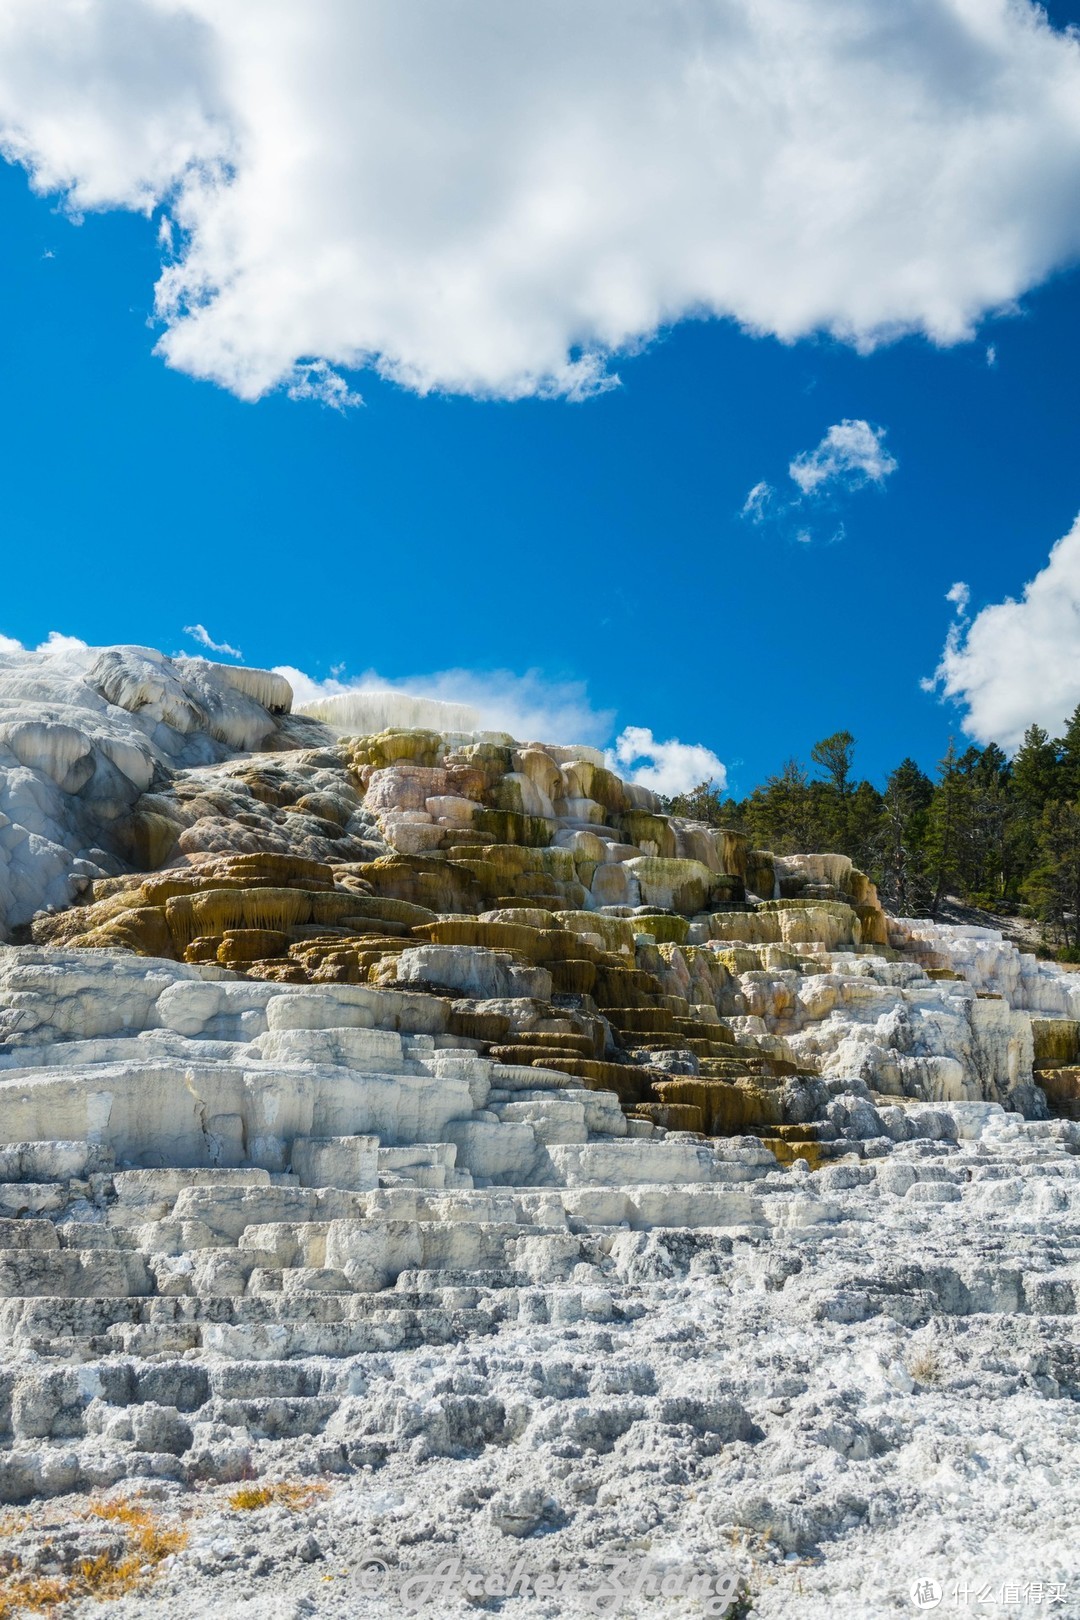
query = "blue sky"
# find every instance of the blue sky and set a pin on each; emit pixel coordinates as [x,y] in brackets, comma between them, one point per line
[598,541]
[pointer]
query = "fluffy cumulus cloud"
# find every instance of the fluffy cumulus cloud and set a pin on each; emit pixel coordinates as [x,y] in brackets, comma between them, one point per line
[56,644]
[851,454]
[666,767]
[1017,661]
[498,199]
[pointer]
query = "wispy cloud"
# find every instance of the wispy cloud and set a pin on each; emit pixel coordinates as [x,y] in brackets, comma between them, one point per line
[760,502]
[314,379]
[199,633]
[850,456]
[529,706]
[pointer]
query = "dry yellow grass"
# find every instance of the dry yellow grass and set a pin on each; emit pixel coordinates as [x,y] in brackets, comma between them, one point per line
[111,1574]
[277,1493]
[152,1541]
[31,1594]
[925,1367]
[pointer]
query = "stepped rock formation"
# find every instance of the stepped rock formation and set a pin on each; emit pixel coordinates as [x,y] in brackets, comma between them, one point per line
[424,1113]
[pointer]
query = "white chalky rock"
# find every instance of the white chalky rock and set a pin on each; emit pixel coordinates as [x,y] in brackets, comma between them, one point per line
[252,1227]
[351,1162]
[83,732]
[471,971]
[992,964]
[894,1028]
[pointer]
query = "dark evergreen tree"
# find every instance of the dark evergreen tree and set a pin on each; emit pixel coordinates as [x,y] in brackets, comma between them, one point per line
[1054,884]
[944,833]
[901,872]
[834,755]
[1035,770]
[1068,749]
[703,803]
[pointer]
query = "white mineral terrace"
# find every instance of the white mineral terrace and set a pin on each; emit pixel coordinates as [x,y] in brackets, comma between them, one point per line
[428,1121]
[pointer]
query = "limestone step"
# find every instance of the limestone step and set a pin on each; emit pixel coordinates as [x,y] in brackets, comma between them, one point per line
[423,1164]
[382,1331]
[93,1235]
[28,1234]
[265,1380]
[423,1284]
[622,1163]
[52,1161]
[273,1417]
[142,1195]
[229,1210]
[372,1254]
[553,1119]
[71,1273]
[19,1199]
[52,1320]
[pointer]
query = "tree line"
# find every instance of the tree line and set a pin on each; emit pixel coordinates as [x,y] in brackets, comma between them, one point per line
[992,832]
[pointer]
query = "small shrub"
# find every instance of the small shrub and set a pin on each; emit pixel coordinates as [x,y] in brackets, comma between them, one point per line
[925,1367]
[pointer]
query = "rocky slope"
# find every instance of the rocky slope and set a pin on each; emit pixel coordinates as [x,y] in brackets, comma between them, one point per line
[422,1120]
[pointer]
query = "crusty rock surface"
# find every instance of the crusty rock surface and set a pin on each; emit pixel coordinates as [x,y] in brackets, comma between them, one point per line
[85,732]
[418,1146]
[849,1381]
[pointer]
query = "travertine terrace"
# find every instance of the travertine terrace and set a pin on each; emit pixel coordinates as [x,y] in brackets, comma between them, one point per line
[421,1113]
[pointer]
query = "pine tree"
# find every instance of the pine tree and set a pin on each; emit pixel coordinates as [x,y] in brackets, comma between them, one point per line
[901,859]
[1068,748]
[834,755]
[944,829]
[782,815]
[703,803]
[1054,885]
[1035,770]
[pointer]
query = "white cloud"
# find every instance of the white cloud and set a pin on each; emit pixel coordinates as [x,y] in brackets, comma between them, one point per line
[665,767]
[316,380]
[851,454]
[199,633]
[55,645]
[1018,662]
[960,595]
[529,707]
[760,502]
[497,199]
